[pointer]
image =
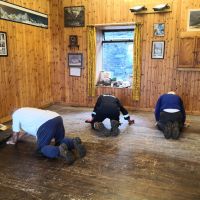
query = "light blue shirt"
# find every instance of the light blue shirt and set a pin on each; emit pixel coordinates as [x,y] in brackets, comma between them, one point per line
[30,119]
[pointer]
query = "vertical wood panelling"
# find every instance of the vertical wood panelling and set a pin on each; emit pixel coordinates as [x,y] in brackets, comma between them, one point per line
[25,73]
[57,51]
[158,76]
[36,70]
[187,83]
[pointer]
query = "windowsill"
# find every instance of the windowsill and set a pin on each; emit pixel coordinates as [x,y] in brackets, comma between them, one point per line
[104,86]
[189,69]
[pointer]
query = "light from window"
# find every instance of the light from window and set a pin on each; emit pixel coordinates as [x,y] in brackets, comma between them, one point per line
[118,56]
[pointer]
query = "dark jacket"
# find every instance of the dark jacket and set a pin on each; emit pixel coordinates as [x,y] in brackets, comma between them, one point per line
[167,101]
[108,103]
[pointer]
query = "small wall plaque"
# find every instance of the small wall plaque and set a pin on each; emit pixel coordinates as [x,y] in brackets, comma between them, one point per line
[73,41]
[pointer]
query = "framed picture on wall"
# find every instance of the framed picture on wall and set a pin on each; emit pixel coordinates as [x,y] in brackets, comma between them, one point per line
[193,23]
[3,44]
[15,13]
[75,60]
[74,16]
[159,29]
[158,49]
[73,41]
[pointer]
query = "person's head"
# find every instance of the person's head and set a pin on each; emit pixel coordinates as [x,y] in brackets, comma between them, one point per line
[171,92]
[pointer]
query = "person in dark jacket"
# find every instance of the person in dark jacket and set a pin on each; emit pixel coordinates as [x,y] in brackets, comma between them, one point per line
[108,106]
[170,115]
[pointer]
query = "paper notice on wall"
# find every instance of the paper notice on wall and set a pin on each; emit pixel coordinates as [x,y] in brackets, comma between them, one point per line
[75,71]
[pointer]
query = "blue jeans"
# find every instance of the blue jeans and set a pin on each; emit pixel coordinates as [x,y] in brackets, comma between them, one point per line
[52,129]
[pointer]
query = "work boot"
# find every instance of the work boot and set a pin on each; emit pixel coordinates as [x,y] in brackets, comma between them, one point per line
[79,147]
[175,130]
[102,130]
[99,126]
[168,130]
[66,154]
[77,140]
[115,127]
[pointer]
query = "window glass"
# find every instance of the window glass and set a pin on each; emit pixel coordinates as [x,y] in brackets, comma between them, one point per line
[118,57]
[118,35]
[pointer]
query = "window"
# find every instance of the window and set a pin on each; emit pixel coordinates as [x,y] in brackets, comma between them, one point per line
[117,58]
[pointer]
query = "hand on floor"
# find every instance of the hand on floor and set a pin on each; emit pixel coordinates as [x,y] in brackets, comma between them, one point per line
[88,121]
[131,121]
[11,141]
[15,137]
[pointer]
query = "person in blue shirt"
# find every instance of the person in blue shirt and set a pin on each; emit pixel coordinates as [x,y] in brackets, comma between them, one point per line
[46,126]
[170,115]
[108,106]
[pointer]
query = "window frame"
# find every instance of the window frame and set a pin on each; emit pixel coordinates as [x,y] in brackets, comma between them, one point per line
[101,40]
[117,40]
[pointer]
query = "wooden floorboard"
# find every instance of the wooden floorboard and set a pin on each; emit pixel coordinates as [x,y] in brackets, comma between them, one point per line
[139,164]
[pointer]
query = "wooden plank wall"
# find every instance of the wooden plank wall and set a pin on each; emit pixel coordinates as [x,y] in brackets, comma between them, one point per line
[25,75]
[36,72]
[57,52]
[158,76]
[187,82]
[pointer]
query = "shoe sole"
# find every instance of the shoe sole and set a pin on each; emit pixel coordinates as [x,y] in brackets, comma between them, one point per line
[168,130]
[80,149]
[115,128]
[102,130]
[69,158]
[175,131]
[66,154]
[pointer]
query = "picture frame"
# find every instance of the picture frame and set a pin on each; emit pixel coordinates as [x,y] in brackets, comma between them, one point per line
[159,29]
[73,41]
[74,16]
[193,23]
[3,44]
[15,13]
[158,49]
[75,60]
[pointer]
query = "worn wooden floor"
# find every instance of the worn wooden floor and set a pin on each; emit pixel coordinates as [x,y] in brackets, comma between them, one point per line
[139,164]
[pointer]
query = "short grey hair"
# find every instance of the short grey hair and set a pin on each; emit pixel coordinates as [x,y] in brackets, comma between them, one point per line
[171,92]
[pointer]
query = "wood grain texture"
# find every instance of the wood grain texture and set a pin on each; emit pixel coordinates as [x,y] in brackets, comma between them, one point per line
[25,76]
[138,164]
[36,72]
[158,76]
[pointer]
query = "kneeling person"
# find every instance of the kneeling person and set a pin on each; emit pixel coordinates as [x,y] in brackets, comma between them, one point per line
[46,125]
[108,106]
[170,115]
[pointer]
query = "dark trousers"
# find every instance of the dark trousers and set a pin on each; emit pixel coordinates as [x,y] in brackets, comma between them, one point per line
[166,117]
[106,112]
[52,129]
[102,113]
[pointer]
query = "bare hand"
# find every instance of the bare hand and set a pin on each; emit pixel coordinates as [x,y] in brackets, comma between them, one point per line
[88,121]
[12,140]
